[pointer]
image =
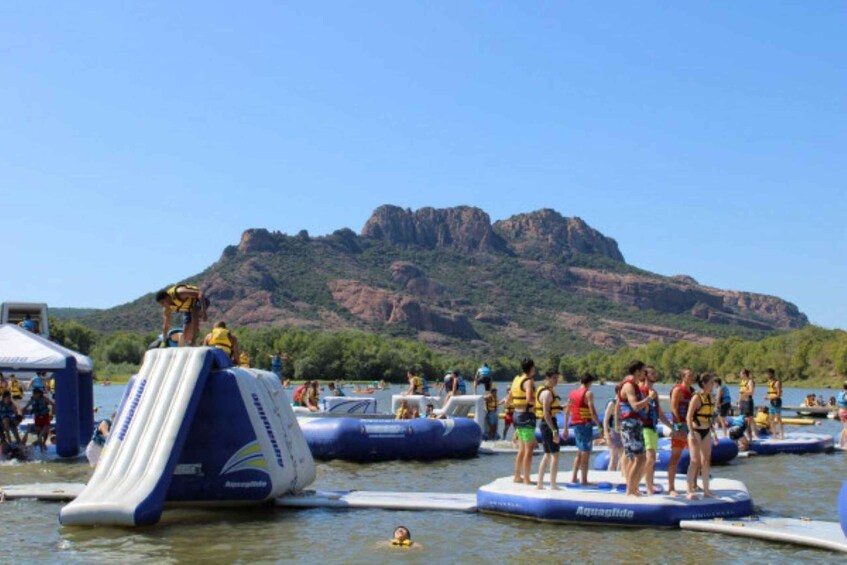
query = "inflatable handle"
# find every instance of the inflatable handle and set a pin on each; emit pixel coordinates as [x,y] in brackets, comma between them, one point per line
[842,507]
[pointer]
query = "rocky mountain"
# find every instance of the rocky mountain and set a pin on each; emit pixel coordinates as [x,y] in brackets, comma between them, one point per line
[533,282]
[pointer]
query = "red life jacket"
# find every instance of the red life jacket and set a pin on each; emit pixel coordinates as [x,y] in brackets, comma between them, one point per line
[298,394]
[580,413]
[682,410]
[627,411]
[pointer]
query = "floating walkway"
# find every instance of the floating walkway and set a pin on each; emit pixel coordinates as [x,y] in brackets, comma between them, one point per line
[457,502]
[43,491]
[813,533]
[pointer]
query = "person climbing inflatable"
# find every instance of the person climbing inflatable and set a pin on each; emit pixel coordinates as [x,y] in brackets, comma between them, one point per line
[187,300]
[223,339]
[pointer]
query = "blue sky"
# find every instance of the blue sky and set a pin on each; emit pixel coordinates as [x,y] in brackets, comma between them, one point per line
[138,140]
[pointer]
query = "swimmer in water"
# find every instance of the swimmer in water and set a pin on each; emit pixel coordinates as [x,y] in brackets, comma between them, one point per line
[403,538]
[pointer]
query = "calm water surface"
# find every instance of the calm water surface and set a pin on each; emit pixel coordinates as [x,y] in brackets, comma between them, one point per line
[784,485]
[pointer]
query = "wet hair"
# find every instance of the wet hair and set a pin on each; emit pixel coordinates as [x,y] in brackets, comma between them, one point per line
[221,325]
[527,364]
[587,378]
[634,367]
[704,379]
[408,531]
[161,295]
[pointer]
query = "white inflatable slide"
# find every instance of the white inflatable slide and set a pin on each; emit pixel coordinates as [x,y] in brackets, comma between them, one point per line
[193,429]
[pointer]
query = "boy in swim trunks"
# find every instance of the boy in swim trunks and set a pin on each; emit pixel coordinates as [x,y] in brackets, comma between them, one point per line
[775,409]
[547,406]
[680,399]
[633,406]
[508,416]
[746,406]
[523,399]
[582,416]
[651,437]
[189,301]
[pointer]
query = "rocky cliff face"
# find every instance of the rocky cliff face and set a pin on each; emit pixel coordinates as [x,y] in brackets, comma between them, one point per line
[462,228]
[451,278]
[548,234]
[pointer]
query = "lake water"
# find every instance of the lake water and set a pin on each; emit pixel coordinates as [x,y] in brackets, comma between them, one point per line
[784,485]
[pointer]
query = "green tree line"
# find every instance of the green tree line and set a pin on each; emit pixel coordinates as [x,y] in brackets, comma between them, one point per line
[811,355]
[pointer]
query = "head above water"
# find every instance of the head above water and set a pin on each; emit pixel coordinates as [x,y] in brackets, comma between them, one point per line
[402,533]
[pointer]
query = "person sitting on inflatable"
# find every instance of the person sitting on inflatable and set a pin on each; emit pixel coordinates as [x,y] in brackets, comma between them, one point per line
[334,390]
[404,412]
[762,421]
[416,383]
[221,338]
[312,397]
[187,300]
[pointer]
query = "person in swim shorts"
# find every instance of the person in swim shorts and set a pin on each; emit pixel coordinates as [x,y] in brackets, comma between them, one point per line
[582,417]
[612,433]
[680,400]
[651,437]
[700,418]
[40,406]
[508,416]
[547,406]
[633,406]
[724,400]
[774,397]
[746,389]
[187,300]
[522,392]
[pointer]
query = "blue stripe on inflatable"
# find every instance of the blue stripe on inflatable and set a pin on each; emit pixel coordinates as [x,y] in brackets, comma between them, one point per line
[582,512]
[842,507]
[353,439]
[723,453]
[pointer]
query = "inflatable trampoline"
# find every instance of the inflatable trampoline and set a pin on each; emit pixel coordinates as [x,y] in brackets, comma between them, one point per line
[353,439]
[794,442]
[606,504]
[725,451]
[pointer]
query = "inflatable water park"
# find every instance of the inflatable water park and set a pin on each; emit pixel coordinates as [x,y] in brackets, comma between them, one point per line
[191,429]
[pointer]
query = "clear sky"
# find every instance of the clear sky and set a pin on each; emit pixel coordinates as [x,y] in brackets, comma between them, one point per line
[137,140]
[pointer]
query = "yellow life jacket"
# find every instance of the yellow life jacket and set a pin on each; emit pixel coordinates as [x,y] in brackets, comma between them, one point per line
[417,383]
[744,389]
[15,388]
[772,391]
[555,406]
[180,304]
[762,420]
[221,339]
[402,543]
[244,360]
[519,399]
[491,403]
[53,384]
[401,412]
[706,413]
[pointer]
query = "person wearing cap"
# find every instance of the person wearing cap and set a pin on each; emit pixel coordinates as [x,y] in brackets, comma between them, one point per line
[582,417]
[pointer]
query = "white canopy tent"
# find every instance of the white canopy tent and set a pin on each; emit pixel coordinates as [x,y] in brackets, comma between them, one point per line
[21,350]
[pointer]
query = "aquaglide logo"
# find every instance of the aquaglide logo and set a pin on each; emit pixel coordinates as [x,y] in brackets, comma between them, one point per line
[605,513]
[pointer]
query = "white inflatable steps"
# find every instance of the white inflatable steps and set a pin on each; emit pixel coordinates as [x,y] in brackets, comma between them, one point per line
[457,502]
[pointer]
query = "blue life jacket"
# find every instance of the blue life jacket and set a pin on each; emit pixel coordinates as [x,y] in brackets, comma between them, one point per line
[627,412]
[424,386]
[39,407]
[842,399]
[461,387]
[652,414]
[276,363]
[725,396]
[37,383]
[29,325]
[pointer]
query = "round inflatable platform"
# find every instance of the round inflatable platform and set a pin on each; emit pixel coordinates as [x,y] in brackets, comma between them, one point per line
[725,451]
[606,503]
[794,442]
[353,439]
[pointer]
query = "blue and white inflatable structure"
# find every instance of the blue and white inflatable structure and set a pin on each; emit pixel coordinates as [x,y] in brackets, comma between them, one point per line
[340,405]
[24,351]
[605,503]
[192,429]
[370,440]
[725,451]
[797,443]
